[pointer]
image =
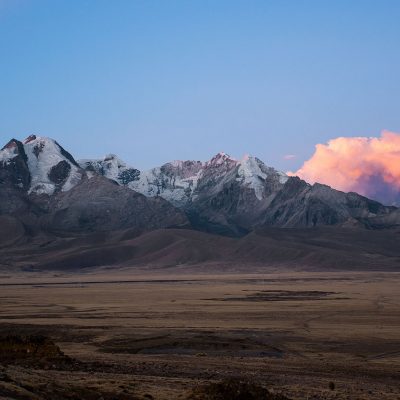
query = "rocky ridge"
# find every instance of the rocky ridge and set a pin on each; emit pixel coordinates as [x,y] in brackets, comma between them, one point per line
[42,183]
[43,188]
[233,197]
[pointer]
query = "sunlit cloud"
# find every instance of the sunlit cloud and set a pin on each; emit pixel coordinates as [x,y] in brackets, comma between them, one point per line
[369,166]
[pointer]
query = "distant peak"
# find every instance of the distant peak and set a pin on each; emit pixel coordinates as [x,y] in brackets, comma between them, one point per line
[29,139]
[222,154]
[43,141]
[109,157]
[176,163]
[221,158]
[13,143]
[250,158]
[186,163]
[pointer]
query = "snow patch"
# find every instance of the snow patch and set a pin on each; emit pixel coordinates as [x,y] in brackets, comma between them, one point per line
[177,181]
[253,173]
[43,154]
[7,154]
[174,187]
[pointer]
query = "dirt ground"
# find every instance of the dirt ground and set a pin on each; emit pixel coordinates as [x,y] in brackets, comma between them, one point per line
[306,335]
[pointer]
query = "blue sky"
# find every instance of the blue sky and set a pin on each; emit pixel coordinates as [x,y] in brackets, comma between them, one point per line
[154,81]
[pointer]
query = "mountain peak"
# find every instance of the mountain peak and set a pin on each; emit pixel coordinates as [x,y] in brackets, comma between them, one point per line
[110,156]
[220,195]
[48,167]
[221,158]
[247,157]
[29,139]
[9,152]
[12,144]
[35,138]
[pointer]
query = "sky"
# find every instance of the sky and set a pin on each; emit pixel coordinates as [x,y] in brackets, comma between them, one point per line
[154,81]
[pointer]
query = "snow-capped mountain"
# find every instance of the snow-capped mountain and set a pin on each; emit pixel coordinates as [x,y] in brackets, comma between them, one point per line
[73,215]
[39,165]
[111,167]
[229,196]
[174,181]
[182,182]
[222,195]
[42,186]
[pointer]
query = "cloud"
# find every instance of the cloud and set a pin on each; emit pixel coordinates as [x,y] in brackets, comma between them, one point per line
[289,156]
[369,166]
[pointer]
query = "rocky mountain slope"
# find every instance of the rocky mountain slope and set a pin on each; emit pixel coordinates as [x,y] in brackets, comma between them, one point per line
[43,183]
[185,250]
[234,197]
[44,189]
[56,212]
[182,182]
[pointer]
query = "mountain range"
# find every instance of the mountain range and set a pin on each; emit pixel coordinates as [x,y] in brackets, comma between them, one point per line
[47,199]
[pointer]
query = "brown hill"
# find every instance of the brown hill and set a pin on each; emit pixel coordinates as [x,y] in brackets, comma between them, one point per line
[317,248]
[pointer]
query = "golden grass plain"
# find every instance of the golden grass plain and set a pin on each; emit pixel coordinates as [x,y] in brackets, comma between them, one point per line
[158,335]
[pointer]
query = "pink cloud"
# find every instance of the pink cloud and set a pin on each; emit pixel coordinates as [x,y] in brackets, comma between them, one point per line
[369,166]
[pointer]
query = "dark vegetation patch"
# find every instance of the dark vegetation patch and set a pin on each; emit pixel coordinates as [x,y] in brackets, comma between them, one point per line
[16,389]
[188,343]
[283,295]
[14,348]
[57,333]
[233,389]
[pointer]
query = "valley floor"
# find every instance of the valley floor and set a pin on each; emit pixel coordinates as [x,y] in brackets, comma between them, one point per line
[307,335]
